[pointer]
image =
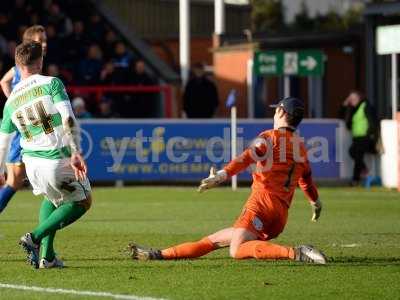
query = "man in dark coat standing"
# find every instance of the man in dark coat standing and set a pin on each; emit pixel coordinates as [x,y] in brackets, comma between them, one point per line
[200,99]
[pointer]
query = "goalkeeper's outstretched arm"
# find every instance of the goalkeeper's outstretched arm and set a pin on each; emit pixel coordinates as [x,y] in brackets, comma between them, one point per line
[240,163]
[237,165]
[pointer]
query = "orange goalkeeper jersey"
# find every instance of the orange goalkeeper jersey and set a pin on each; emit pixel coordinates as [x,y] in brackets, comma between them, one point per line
[280,163]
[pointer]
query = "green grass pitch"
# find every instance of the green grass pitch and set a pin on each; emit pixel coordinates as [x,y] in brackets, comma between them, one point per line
[359,230]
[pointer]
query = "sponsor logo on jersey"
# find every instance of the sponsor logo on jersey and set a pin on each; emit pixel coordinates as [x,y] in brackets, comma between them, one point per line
[257,223]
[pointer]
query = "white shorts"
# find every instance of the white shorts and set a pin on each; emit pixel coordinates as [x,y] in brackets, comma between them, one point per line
[55,179]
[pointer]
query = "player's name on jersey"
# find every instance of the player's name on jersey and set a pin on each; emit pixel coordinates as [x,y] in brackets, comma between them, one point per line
[27,97]
[24,86]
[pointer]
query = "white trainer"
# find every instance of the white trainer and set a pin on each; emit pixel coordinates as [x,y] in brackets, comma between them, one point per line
[55,263]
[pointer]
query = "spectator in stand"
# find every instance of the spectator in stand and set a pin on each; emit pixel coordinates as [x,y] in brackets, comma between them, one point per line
[108,44]
[89,68]
[107,74]
[54,46]
[34,19]
[3,45]
[54,70]
[2,69]
[106,109]
[11,51]
[96,29]
[139,75]
[75,43]
[8,56]
[79,107]
[200,98]
[20,31]
[142,105]
[20,13]
[6,28]
[121,58]
[56,18]
[8,62]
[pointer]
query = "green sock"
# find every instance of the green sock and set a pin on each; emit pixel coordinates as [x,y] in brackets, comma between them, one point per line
[46,244]
[61,217]
[47,248]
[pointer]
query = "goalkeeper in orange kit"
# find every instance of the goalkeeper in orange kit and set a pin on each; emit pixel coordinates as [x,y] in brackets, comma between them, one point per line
[281,163]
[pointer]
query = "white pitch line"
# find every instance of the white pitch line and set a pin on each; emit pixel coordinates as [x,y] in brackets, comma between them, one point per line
[350,245]
[74,292]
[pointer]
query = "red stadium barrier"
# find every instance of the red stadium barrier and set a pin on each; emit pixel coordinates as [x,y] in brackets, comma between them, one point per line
[99,90]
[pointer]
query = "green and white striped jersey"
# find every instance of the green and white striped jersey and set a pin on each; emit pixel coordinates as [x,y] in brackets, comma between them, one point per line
[32,110]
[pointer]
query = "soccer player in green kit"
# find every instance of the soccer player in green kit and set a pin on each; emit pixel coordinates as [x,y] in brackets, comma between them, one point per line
[39,108]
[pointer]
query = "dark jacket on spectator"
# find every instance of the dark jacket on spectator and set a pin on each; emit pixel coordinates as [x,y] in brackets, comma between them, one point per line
[89,71]
[75,46]
[200,99]
[122,61]
[140,104]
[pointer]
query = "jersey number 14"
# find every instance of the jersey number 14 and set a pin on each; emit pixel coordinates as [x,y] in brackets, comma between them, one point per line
[40,118]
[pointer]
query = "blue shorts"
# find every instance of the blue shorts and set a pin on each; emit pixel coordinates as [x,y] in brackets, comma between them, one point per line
[15,154]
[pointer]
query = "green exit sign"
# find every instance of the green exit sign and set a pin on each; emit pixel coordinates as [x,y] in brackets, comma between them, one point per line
[296,63]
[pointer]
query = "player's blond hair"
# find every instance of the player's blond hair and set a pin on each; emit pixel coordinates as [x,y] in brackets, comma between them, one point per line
[27,53]
[30,32]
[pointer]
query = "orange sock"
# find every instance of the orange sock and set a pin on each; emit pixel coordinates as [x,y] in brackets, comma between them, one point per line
[264,250]
[189,250]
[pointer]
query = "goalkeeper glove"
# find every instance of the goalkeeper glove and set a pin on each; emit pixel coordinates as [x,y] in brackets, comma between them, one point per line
[214,179]
[316,210]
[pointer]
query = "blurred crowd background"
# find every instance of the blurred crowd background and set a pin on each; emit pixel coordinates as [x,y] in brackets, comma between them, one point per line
[82,50]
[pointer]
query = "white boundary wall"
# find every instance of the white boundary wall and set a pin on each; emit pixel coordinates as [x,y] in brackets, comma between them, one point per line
[390,157]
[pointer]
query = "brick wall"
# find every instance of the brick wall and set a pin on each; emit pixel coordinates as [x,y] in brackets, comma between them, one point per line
[230,71]
[168,50]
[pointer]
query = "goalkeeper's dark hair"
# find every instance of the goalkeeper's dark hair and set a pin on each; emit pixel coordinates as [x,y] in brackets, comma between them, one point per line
[295,118]
[27,53]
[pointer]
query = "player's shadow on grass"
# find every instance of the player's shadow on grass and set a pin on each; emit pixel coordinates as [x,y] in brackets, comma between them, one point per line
[12,260]
[354,261]
[100,259]
[19,221]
